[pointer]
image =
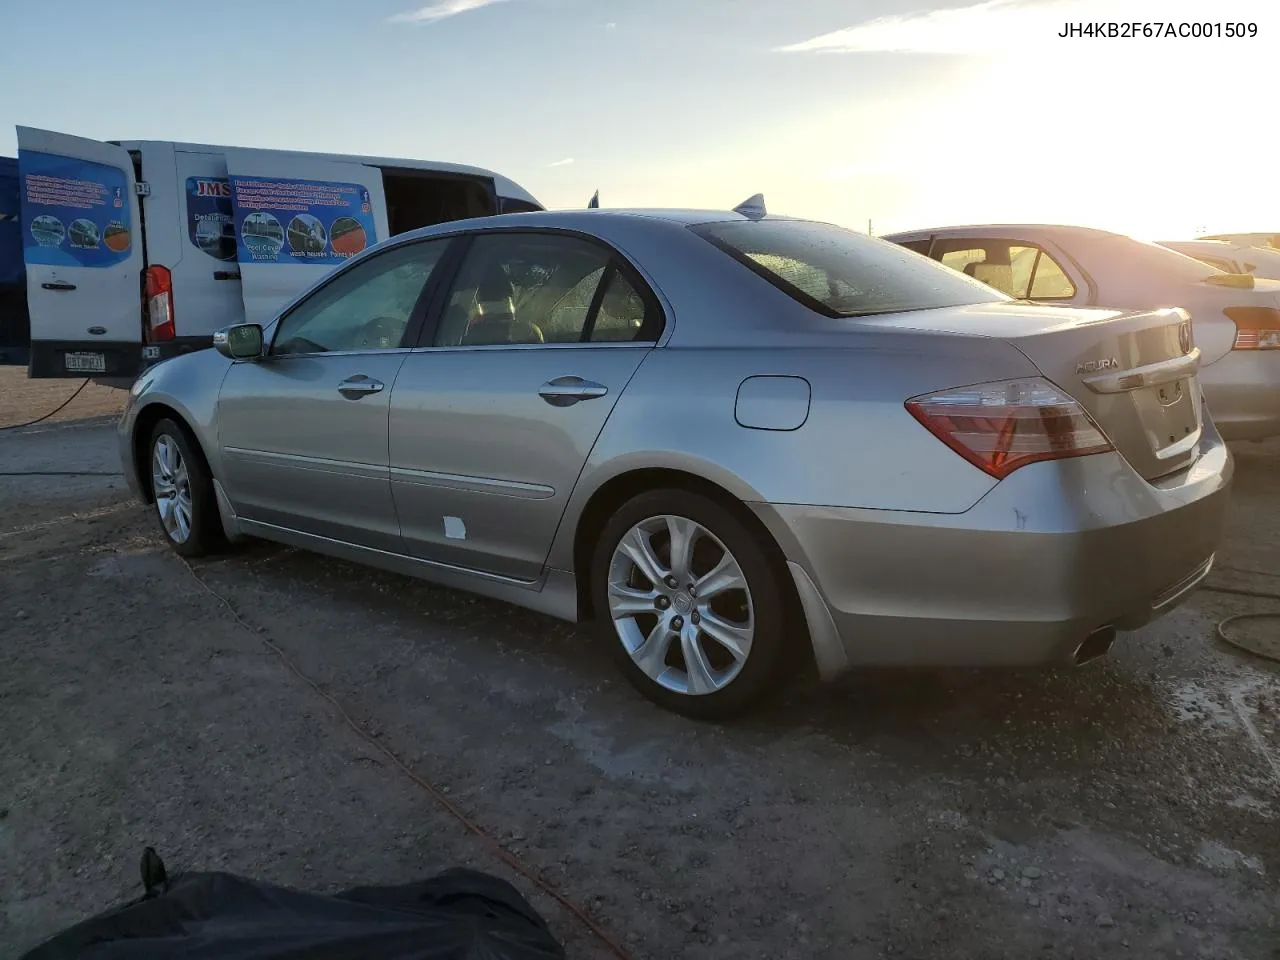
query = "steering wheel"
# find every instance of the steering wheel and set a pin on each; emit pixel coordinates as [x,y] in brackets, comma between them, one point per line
[381,332]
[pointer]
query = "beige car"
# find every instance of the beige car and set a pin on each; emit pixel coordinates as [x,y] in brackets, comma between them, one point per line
[1236,318]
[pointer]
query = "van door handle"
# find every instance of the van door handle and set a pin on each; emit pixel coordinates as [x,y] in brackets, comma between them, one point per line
[566,391]
[353,388]
[226,274]
[58,285]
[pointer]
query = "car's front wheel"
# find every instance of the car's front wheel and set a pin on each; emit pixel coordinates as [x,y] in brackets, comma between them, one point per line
[690,603]
[182,489]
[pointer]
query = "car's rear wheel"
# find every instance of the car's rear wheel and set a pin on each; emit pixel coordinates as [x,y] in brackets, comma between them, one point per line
[182,489]
[690,603]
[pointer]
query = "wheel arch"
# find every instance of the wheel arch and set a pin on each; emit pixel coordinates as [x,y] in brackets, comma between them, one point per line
[618,489]
[144,423]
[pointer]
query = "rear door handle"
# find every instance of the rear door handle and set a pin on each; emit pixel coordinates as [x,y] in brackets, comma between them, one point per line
[58,285]
[566,391]
[226,274]
[353,388]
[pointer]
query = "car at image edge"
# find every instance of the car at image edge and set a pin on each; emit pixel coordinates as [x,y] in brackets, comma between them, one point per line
[1260,262]
[1235,319]
[735,440]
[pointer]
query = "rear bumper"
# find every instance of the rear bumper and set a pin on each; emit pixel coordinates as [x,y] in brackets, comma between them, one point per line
[48,358]
[1242,390]
[120,359]
[1051,554]
[154,353]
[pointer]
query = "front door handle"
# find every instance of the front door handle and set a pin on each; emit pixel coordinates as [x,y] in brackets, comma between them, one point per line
[58,285]
[353,388]
[566,391]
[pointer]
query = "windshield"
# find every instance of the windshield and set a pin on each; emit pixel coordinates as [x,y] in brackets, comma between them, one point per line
[842,273]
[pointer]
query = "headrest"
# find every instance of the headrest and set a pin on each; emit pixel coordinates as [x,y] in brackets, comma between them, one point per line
[495,287]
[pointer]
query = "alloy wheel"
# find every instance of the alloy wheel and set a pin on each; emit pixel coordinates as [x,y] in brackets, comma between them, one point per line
[681,605]
[172,488]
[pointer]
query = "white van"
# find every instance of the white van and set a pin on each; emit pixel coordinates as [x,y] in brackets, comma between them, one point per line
[136,251]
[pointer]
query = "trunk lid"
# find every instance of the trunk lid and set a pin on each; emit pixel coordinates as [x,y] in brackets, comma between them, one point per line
[1134,372]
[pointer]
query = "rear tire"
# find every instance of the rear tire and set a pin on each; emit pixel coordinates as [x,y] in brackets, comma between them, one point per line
[185,504]
[690,604]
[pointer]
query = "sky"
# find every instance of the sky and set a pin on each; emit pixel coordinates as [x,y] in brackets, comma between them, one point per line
[901,113]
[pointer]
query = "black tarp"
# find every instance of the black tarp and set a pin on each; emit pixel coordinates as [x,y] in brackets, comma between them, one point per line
[457,915]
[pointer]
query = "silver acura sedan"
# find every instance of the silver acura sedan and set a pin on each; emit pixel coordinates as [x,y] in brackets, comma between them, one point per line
[734,440]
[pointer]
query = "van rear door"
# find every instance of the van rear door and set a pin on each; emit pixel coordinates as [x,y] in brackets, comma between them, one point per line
[206,274]
[296,218]
[82,247]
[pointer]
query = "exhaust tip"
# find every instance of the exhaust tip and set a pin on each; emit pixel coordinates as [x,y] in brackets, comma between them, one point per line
[1095,645]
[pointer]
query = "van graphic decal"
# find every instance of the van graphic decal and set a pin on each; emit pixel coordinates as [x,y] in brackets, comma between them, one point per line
[73,211]
[210,223]
[300,221]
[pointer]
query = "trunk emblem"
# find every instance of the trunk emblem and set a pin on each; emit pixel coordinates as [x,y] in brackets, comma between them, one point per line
[97,331]
[1093,366]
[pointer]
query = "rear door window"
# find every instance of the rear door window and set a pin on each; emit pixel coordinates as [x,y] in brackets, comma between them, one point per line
[918,246]
[542,288]
[1022,270]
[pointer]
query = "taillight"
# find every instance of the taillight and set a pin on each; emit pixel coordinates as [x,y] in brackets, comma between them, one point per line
[160,304]
[1257,328]
[999,427]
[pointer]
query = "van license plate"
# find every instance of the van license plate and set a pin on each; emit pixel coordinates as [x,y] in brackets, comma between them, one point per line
[151,353]
[85,362]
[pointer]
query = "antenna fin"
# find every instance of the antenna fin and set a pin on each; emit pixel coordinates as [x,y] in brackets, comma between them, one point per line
[752,208]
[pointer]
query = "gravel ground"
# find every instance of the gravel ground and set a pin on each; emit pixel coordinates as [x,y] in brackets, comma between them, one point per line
[1126,808]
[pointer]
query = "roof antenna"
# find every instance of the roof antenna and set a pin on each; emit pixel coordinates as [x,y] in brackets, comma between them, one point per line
[594,202]
[752,208]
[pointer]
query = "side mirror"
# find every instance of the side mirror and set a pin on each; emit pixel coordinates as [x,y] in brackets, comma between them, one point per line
[243,341]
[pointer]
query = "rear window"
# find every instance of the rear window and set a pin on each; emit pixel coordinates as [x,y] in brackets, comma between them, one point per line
[841,273]
[1128,254]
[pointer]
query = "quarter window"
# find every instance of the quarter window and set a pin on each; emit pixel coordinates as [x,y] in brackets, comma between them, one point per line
[1049,281]
[622,311]
[365,308]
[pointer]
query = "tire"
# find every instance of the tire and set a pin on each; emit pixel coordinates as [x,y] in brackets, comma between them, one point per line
[202,532]
[730,681]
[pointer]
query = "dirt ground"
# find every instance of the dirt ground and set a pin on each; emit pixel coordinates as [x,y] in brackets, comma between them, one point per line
[23,400]
[1127,808]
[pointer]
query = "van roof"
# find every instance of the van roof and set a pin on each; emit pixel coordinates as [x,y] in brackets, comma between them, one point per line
[506,187]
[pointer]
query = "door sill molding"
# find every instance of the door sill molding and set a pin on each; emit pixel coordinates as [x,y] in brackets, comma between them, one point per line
[554,595]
